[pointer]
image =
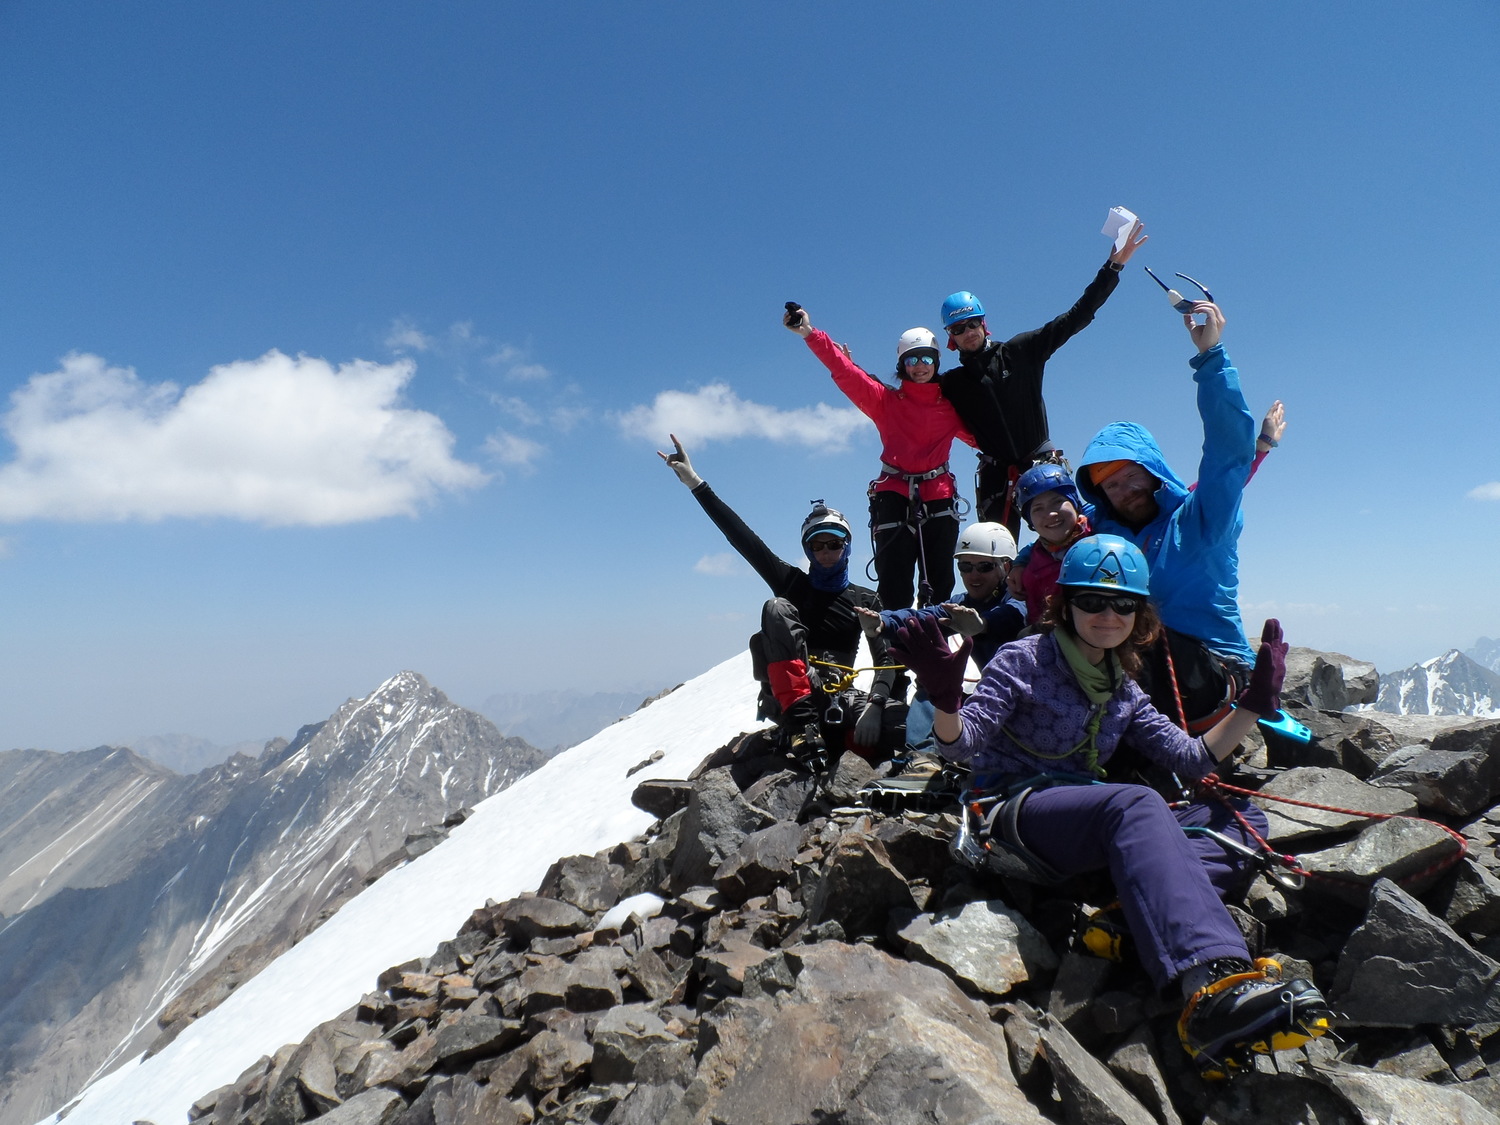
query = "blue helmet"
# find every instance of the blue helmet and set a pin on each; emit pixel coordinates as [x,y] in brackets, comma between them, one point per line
[961,306]
[1106,562]
[1042,478]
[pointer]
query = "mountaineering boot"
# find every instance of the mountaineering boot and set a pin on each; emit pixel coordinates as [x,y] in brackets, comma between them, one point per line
[1247,1009]
[807,747]
[1105,933]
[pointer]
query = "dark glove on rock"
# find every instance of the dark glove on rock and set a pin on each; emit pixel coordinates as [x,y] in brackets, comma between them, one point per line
[1263,694]
[920,645]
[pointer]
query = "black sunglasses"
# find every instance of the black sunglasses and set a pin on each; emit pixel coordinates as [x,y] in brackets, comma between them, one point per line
[964,325]
[1182,304]
[968,567]
[826,545]
[1122,604]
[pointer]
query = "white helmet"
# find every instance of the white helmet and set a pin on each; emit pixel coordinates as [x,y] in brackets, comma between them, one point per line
[912,340]
[824,518]
[989,540]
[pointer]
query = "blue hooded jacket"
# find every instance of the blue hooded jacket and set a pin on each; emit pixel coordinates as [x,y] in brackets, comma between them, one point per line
[1192,546]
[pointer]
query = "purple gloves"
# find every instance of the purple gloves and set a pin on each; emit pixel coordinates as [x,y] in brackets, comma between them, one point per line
[921,646]
[1263,693]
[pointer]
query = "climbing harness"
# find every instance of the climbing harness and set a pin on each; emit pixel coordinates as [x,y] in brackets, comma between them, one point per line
[917,515]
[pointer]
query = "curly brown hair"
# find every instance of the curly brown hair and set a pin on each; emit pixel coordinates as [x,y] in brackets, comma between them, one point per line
[1143,635]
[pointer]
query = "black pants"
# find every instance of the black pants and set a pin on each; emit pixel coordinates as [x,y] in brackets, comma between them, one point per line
[991,487]
[783,638]
[896,520]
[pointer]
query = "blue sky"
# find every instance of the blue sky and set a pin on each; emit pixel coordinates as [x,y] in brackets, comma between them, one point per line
[333,334]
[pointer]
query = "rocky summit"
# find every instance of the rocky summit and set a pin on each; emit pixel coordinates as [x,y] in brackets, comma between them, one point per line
[772,951]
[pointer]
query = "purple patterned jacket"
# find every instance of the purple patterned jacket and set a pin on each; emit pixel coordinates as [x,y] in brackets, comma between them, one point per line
[1029,690]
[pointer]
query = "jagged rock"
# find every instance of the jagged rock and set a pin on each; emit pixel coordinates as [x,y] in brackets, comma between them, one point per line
[585,881]
[1135,1064]
[727,967]
[1402,967]
[783,794]
[1341,740]
[1413,1055]
[1329,681]
[768,977]
[1483,735]
[860,886]
[651,975]
[763,861]
[850,774]
[715,823]
[987,946]
[1393,1100]
[1471,905]
[918,851]
[557,1060]
[373,1107]
[1325,786]
[1388,849]
[622,1038]
[1079,980]
[662,796]
[475,1037]
[534,916]
[1256,1098]
[579,985]
[1090,1094]
[1459,782]
[863,1037]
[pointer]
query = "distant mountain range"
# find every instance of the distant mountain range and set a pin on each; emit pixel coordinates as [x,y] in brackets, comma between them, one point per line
[127,884]
[1455,683]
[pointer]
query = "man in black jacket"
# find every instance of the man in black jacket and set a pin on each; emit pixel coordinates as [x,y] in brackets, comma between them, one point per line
[997,389]
[808,624]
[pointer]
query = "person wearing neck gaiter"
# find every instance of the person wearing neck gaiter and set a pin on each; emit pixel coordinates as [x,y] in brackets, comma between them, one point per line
[1040,733]
[808,624]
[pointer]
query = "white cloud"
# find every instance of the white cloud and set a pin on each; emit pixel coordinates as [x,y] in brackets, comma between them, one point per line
[274,440]
[1489,491]
[405,336]
[512,449]
[517,364]
[716,413]
[719,566]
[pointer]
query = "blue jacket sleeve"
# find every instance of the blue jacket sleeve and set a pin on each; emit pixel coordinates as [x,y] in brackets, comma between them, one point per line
[1211,511]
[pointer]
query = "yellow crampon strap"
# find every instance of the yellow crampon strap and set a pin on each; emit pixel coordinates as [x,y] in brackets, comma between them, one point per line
[846,680]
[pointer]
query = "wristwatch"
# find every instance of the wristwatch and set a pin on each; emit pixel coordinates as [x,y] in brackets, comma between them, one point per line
[1116,266]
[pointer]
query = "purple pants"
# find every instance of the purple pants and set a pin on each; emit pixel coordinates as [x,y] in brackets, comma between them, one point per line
[1169,883]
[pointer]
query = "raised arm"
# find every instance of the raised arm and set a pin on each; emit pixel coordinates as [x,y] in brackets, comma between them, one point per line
[1057,332]
[775,571]
[1228,430]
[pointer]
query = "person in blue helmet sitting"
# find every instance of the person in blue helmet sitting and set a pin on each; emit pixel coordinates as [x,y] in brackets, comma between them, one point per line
[1191,535]
[997,387]
[1042,730]
[809,621]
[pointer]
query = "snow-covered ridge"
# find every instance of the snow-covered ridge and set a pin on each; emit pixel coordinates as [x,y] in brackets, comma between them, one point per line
[576,804]
[177,871]
[1451,684]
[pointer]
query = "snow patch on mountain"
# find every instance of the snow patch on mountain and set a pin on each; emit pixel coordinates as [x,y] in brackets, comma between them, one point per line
[1451,684]
[578,803]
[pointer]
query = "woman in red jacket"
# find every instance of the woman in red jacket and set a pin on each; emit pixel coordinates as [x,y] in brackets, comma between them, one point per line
[912,500]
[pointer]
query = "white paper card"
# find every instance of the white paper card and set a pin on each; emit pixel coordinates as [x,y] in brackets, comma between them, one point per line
[1117,225]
